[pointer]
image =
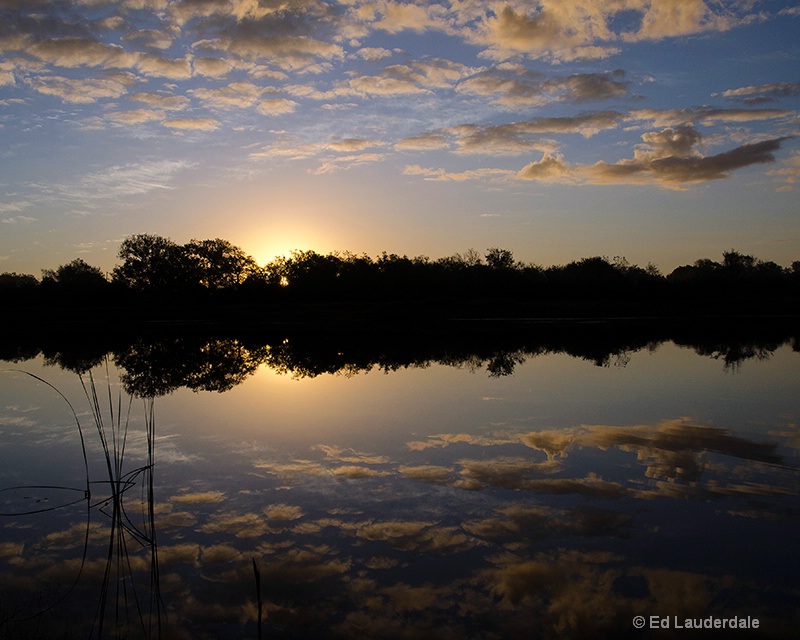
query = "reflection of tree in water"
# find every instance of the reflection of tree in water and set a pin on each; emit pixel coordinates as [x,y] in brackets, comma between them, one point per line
[173,356]
[156,368]
[503,364]
[733,355]
[159,367]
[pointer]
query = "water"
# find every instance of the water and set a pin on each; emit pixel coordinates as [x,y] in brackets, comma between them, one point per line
[554,487]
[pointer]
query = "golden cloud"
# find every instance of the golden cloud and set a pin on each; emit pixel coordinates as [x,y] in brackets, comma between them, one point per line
[192,124]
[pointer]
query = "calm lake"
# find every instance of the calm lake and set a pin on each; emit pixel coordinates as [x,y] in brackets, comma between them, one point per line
[554,485]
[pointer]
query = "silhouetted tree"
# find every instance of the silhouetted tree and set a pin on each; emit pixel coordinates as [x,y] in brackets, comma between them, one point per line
[153,265]
[75,283]
[76,274]
[499,258]
[18,289]
[215,271]
[217,264]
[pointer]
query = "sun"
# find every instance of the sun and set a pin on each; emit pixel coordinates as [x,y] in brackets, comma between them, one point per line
[281,244]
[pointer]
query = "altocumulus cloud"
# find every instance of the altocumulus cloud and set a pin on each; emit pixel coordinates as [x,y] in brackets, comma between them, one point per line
[199,69]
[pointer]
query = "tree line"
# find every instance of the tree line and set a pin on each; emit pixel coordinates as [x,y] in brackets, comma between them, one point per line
[154,270]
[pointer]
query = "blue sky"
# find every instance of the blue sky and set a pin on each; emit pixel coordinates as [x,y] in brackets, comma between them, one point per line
[662,131]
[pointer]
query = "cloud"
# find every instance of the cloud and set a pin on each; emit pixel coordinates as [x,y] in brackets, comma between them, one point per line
[587,29]
[511,139]
[78,91]
[514,86]
[160,67]
[166,102]
[424,141]
[354,144]
[652,166]
[331,164]
[442,175]
[296,53]
[234,95]
[373,54]
[789,171]
[764,93]
[668,158]
[396,17]
[669,18]
[276,106]
[192,124]
[18,220]
[392,81]
[134,116]
[518,137]
[212,67]
[705,115]
[127,180]
[588,87]
[548,29]
[154,38]
[80,52]
[354,148]
[548,169]
[5,207]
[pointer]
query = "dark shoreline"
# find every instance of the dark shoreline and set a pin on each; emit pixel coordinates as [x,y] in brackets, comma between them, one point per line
[420,311]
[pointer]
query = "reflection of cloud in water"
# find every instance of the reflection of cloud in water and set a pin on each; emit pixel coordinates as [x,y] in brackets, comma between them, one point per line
[10,549]
[294,470]
[447,439]
[354,472]
[505,472]
[677,455]
[423,537]
[428,473]
[201,497]
[340,454]
[674,436]
[523,523]
[273,519]
[418,556]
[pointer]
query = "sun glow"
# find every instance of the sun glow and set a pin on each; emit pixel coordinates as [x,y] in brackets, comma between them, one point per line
[272,247]
[265,246]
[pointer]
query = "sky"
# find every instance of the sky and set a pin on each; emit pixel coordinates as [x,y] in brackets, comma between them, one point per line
[663,131]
